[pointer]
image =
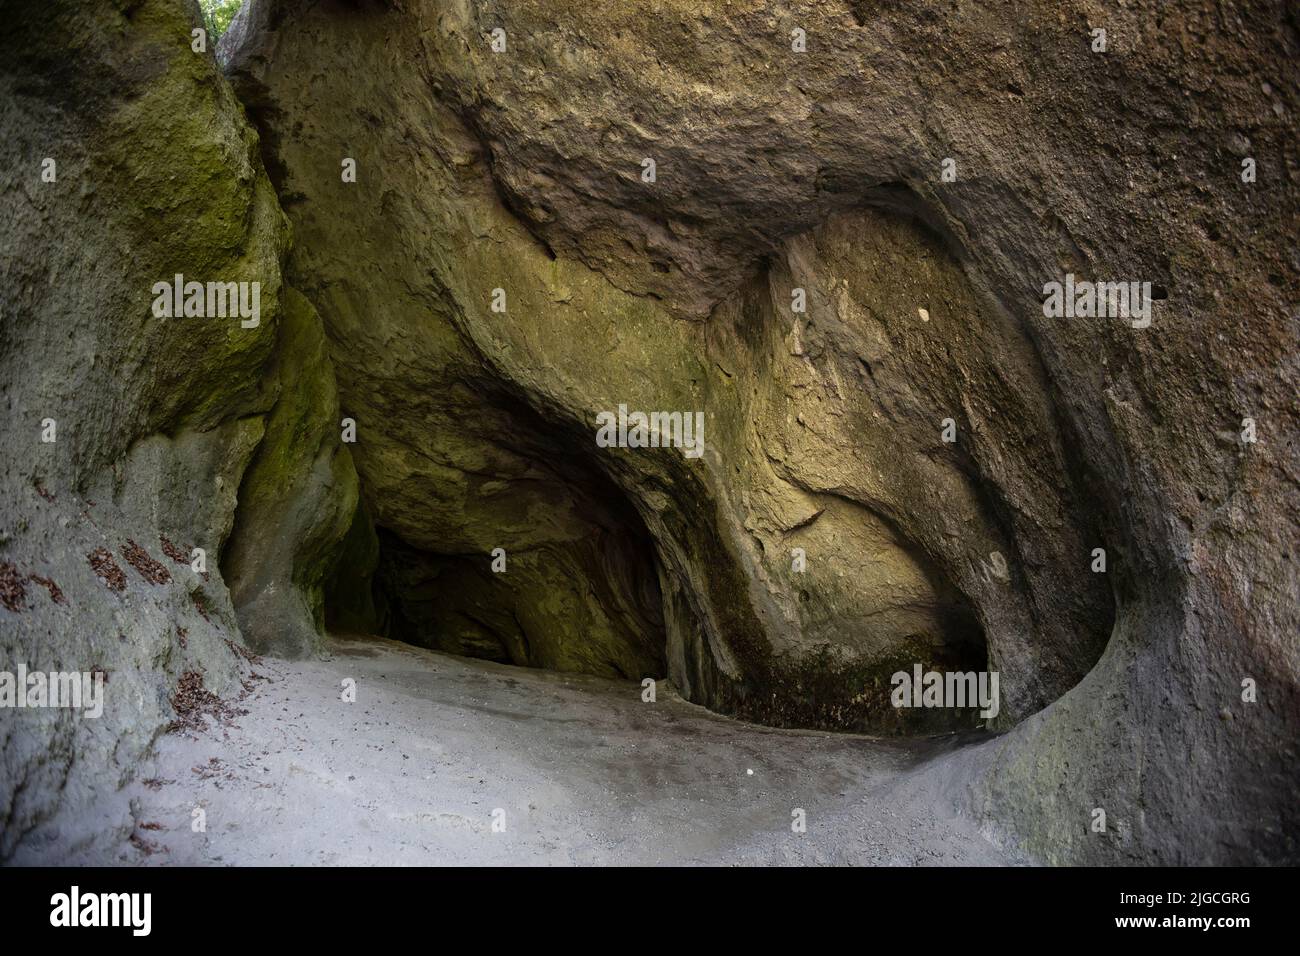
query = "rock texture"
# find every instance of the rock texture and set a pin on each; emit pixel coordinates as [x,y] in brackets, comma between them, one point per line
[297,497]
[128,439]
[475,426]
[882,394]
[521,170]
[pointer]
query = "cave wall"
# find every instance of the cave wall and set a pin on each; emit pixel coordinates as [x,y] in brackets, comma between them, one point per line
[403,264]
[163,429]
[521,170]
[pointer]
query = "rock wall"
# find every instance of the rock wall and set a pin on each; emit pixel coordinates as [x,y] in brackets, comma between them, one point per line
[838,263]
[130,440]
[520,172]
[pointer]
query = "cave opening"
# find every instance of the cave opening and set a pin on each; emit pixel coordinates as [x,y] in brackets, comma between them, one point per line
[532,549]
[544,562]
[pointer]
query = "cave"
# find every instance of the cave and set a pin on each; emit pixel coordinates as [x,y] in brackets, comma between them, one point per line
[406,552]
[582,595]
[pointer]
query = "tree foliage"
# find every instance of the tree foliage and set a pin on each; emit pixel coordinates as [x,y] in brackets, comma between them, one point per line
[217,15]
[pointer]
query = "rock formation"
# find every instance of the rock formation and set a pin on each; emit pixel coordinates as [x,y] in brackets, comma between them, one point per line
[826,228]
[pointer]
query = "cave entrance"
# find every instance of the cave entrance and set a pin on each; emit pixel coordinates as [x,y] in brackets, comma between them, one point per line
[537,560]
[589,605]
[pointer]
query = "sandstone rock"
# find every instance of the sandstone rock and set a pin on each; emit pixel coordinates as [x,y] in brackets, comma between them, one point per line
[521,170]
[839,264]
[297,498]
[155,421]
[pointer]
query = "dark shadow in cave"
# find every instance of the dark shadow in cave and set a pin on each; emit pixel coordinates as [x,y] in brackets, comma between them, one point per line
[576,590]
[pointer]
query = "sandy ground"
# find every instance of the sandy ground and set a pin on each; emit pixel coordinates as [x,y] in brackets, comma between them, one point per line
[583,770]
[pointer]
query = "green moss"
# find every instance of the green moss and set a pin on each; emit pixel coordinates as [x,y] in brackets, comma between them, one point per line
[298,496]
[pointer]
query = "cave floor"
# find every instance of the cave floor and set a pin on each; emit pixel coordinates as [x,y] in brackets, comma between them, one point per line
[585,772]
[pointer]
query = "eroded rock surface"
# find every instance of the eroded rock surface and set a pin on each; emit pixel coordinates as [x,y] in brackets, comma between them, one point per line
[799,272]
[128,438]
[521,170]
[470,417]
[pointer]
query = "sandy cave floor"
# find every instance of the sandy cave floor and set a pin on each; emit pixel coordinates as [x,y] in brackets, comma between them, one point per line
[585,771]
